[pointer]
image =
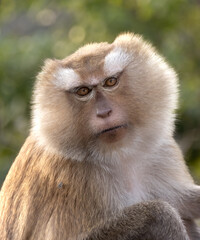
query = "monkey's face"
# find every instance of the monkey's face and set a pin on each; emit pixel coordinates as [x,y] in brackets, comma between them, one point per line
[103,98]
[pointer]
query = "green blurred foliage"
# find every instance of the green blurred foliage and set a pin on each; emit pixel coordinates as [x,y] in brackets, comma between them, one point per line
[31,31]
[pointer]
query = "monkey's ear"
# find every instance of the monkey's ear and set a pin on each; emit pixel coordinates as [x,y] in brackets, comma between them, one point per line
[49,64]
[49,61]
[133,42]
[129,41]
[125,37]
[48,69]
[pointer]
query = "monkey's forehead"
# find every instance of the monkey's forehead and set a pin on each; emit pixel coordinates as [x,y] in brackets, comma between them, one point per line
[98,60]
[96,56]
[94,61]
[89,57]
[96,52]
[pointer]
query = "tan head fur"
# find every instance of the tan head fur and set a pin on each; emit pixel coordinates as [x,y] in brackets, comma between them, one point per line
[142,103]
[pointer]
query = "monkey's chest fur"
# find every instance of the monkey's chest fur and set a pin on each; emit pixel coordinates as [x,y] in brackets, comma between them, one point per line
[63,199]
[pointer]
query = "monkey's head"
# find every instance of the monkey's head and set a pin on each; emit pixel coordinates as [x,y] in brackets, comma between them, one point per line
[105,98]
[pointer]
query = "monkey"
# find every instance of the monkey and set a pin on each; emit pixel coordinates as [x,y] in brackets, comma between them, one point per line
[101,162]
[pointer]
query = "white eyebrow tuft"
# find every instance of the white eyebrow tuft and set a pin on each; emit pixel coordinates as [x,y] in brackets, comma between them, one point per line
[66,78]
[116,61]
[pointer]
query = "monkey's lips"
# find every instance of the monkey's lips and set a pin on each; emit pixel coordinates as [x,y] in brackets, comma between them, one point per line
[113,134]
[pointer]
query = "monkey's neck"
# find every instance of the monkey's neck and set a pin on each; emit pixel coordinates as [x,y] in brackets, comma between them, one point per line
[112,185]
[107,185]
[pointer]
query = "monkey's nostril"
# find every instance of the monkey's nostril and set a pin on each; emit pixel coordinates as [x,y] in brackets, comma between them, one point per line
[103,113]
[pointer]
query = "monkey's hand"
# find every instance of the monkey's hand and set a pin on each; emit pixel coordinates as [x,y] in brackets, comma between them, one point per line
[153,220]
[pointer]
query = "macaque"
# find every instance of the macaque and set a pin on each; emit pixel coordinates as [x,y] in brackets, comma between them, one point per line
[100,162]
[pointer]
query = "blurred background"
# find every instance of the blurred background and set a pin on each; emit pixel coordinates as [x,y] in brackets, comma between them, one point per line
[31,31]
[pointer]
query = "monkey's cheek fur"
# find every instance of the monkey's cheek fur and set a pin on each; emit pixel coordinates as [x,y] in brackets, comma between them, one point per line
[114,134]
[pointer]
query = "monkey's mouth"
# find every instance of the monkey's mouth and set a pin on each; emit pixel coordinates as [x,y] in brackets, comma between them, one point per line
[112,134]
[112,129]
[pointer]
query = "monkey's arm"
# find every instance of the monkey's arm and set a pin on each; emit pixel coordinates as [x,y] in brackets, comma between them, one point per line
[190,202]
[145,221]
[189,209]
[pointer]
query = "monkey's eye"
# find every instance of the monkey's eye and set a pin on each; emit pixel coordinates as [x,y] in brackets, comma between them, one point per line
[82,91]
[110,82]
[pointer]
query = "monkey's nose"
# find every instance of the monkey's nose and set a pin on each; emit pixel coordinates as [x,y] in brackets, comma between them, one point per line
[103,113]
